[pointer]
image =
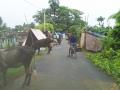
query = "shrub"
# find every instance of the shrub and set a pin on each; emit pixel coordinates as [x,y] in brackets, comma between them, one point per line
[108,53]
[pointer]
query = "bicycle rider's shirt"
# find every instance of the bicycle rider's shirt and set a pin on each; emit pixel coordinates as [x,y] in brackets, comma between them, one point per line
[73,40]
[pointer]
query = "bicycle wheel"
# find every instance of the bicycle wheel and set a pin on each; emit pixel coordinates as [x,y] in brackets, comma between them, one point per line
[73,53]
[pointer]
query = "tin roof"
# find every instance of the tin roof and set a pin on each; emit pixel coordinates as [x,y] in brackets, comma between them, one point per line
[38,34]
[96,34]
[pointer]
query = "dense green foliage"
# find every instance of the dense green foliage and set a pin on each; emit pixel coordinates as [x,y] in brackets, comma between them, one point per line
[61,17]
[24,27]
[109,58]
[116,16]
[100,30]
[76,30]
[109,61]
[3,26]
[116,32]
[45,26]
[116,36]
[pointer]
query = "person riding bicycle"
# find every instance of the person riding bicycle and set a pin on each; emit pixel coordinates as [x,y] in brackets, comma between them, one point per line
[72,41]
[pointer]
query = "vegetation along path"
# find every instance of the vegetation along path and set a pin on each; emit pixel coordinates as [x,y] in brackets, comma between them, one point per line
[59,72]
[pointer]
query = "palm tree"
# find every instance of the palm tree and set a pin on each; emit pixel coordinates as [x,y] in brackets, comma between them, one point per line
[101,20]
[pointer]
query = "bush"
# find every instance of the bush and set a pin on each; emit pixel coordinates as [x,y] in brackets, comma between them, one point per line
[111,67]
[48,27]
[109,54]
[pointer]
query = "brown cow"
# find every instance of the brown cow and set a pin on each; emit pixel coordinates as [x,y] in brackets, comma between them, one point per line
[43,43]
[14,57]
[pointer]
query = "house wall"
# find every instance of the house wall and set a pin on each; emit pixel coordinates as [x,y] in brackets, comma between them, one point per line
[82,40]
[93,43]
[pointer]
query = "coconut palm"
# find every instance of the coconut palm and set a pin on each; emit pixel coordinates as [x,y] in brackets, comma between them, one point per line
[101,20]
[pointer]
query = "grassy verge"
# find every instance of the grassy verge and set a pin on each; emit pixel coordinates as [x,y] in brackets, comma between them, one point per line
[15,72]
[111,67]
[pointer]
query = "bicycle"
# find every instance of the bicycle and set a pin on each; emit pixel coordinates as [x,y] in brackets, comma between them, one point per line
[73,51]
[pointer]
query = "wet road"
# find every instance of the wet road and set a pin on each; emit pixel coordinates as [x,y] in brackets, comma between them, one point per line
[59,72]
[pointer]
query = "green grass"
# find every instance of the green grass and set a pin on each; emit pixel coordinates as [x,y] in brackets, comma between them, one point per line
[15,72]
[111,67]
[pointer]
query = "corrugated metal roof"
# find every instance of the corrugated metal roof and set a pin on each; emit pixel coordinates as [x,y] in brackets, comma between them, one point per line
[38,34]
[96,34]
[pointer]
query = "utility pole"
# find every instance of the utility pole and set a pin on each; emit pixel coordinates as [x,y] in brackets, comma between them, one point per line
[44,20]
[86,20]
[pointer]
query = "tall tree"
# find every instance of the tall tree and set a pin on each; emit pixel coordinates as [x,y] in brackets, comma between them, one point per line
[116,16]
[60,16]
[3,25]
[39,17]
[101,20]
[116,32]
[68,17]
[24,27]
[18,28]
[54,5]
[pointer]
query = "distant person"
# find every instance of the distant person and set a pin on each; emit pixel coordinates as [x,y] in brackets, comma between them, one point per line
[68,36]
[59,38]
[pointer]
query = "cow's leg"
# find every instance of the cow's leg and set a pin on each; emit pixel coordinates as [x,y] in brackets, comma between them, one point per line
[29,76]
[4,77]
[27,79]
[49,49]
[3,69]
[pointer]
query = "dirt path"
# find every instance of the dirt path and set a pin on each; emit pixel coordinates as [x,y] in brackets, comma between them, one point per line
[59,72]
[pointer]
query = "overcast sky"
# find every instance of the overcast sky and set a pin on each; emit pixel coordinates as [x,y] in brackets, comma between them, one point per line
[13,12]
